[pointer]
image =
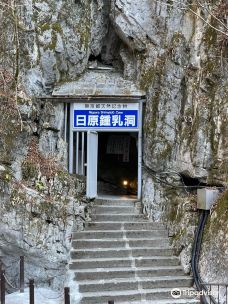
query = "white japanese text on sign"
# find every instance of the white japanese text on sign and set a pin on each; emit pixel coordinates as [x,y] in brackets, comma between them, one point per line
[105,116]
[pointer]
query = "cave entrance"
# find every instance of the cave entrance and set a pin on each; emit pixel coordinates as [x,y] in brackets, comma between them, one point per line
[105,145]
[103,129]
[117,164]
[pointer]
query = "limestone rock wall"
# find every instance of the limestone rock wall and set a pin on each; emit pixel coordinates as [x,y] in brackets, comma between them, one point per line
[39,201]
[213,263]
[174,52]
[53,40]
[42,42]
[184,70]
[36,221]
[176,208]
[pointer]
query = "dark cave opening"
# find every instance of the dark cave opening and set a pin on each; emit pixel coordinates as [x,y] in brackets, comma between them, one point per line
[193,183]
[109,52]
[95,58]
[117,163]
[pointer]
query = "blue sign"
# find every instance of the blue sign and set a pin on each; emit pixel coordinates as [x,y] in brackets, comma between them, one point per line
[114,119]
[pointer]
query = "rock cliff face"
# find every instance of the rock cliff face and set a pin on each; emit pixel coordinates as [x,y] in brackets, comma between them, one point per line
[39,201]
[213,264]
[179,62]
[53,39]
[42,42]
[36,221]
[179,59]
[176,51]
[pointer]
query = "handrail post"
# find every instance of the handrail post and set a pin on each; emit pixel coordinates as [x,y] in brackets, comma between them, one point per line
[66,295]
[31,292]
[22,274]
[226,294]
[3,285]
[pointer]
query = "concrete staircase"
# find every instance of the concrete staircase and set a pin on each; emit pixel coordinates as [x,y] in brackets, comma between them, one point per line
[121,256]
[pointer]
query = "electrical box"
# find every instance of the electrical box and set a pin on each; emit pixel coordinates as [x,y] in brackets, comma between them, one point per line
[206,198]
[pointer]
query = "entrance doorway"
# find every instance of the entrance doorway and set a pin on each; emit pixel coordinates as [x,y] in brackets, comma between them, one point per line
[105,145]
[117,164]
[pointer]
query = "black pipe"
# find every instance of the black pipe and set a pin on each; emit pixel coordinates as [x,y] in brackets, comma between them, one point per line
[196,252]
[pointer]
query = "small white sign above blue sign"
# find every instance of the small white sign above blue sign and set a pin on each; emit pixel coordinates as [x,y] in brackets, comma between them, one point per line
[106,116]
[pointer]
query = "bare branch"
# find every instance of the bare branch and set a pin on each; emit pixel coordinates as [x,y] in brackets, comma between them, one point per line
[195,13]
[213,15]
[12,9]
[208,23]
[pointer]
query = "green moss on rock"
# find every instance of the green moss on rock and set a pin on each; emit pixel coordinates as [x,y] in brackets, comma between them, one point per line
[210,37]
[84,27]
[177,39]
[6,175]
[147,78]
[53,43]
[219,217]
[166,152]
[9,129]
[29,170]
[57,27]
[45,27]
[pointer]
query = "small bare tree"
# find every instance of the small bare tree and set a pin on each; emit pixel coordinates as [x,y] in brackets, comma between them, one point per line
[9,53]
[207,13]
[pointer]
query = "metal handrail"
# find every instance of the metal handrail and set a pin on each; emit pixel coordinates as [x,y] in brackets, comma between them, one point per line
[5,281]
[21,275]
[9,283]
[212,298]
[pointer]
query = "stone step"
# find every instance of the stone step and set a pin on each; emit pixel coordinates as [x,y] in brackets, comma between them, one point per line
[123,262]
[127,295]
[115,210]
[118,217]
[133,283]
[164,301]
[127,272]
[120,243]
[121,252]
[167,301]
[117,225]
[122,256]
[99,234]
[123,203]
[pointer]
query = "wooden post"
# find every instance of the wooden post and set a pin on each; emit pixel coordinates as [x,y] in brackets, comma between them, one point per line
[22,274]
[31,292]
[3,285]
[66,295]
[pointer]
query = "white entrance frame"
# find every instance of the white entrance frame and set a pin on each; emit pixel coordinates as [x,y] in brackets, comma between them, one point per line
[140,143]
[92,159]
[140,155]
[71,143]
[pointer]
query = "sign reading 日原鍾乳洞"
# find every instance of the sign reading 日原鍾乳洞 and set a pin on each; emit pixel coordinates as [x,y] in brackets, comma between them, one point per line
[106,116]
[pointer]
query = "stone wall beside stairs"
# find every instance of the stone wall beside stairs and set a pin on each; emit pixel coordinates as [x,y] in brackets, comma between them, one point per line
[39,200]
[177,59]
[177,209]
